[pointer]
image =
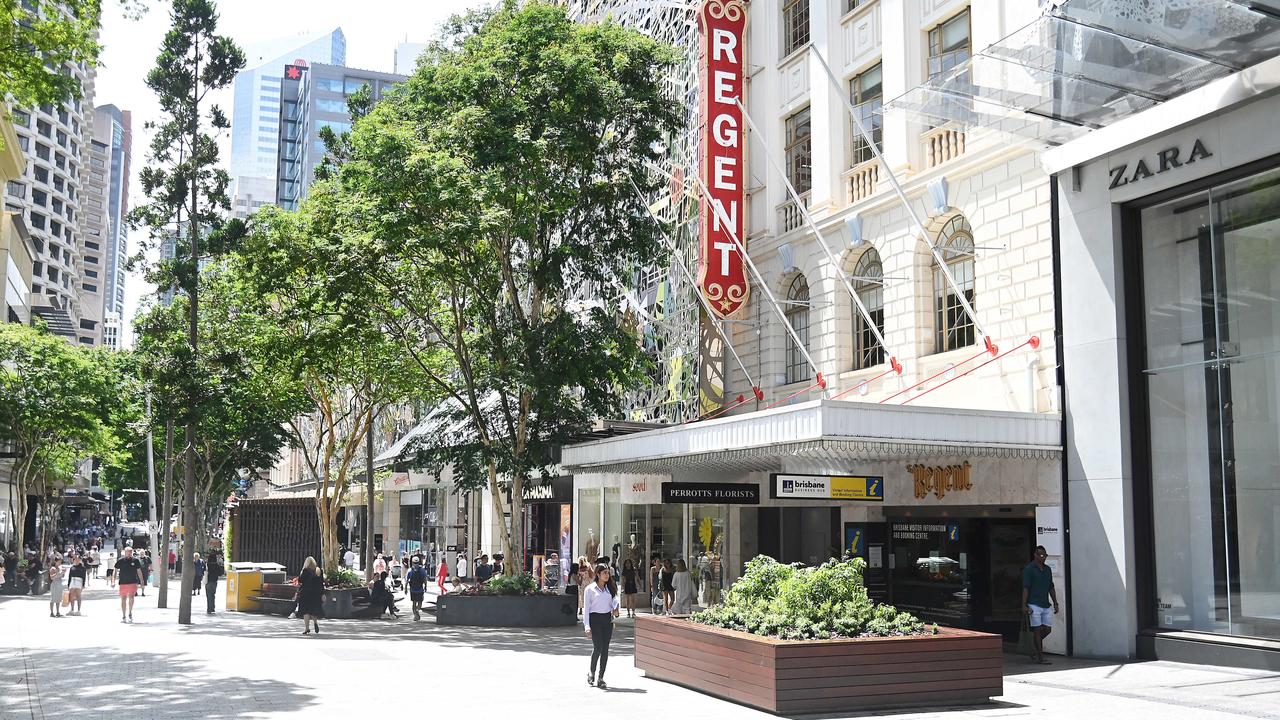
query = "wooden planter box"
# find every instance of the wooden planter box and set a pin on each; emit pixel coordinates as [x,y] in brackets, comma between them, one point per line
[954,667]
[507,611]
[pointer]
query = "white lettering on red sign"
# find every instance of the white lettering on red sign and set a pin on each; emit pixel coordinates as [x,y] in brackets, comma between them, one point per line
[722,275]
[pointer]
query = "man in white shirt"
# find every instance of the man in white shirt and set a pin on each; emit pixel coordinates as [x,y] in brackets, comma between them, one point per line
[349,559]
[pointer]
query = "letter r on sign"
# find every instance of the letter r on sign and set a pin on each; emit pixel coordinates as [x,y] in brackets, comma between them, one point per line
[723,44]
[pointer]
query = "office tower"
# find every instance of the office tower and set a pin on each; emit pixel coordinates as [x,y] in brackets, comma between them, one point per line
[106,204]
[406,57]
[256,109]
[311,98]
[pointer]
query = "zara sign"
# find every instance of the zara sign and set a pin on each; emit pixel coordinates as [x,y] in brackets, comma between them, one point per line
[1163,161]
[722,275]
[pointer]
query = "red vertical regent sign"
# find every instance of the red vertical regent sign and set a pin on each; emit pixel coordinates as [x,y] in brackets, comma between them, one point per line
[722,277]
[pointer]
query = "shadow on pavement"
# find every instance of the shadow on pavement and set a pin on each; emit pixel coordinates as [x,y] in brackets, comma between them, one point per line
[127,684]
[542,641]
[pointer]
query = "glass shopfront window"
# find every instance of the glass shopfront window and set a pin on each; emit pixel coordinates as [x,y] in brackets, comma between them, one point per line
[613,537]
[1211,287]
[636,521]
[588,543]
[707,540]
[410,520]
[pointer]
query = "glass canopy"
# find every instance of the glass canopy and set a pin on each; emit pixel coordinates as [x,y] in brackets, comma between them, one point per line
[1089,63]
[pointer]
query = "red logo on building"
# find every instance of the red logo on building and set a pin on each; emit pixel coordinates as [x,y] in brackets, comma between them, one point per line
[722,276]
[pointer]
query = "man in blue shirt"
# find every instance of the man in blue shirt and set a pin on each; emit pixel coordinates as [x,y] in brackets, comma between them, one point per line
[1037,591]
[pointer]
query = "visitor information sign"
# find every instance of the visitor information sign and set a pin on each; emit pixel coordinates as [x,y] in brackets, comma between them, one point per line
[868,488]
[722,275]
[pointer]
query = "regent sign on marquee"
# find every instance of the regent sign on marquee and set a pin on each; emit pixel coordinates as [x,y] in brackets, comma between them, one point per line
[722,277]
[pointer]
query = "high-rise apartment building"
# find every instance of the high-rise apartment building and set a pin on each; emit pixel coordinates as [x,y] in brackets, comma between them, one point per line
[48,194]
[106,201]
[313,97]
[256,111]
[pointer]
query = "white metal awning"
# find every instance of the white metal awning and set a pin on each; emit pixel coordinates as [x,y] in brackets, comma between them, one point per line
[823,430]
[1086,64]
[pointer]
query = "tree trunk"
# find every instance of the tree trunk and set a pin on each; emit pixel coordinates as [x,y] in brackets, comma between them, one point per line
[188,517]
[368,501]
[166,503]
[513,564]
[504,537]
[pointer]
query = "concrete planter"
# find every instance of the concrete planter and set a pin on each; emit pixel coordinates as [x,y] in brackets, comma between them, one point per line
[507,610]
[954,667]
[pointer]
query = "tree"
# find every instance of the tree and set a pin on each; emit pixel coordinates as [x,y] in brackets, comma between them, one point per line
[39,38]
[311,331]
[183,177]
[487,197]
[56,402]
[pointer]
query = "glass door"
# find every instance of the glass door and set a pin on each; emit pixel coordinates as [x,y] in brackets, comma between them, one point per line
[1211,277]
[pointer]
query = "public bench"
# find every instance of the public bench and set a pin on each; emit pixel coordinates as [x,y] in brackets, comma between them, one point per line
[277,598]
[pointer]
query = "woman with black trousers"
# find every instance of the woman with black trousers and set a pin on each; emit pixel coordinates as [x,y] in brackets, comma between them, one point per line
[310,595]
[599,608]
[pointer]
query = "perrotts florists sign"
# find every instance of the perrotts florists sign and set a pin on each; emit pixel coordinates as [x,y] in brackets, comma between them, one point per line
[722,275]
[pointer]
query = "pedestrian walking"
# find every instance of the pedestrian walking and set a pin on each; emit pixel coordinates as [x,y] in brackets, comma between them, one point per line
[54,577]
[111,570]
[310,595]
[379,565]
[94,561]
[484,570]
[145,561]
[1037,591]
[442,574]
[629,587]
[199,565]
[600,607]
[417,580]
[583,579]
[173,559]
[129,573]
[682,581]
[212,573]
[667,577]
[349,559]
[76,581]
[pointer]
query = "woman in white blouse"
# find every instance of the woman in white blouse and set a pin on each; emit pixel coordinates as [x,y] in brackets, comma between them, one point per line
[682,581]
[599,608]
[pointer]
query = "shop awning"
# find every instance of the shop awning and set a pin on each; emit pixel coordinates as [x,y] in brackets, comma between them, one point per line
[823,430]
[1086,64]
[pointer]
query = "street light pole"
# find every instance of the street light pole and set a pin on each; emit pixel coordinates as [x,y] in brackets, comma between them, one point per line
[152,527]
[368,498]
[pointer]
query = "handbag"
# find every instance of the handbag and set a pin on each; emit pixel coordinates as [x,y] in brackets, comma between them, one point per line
[66,597]
[1026,644]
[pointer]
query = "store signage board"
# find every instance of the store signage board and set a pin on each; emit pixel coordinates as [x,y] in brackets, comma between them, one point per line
[722,277]
[1049,529]
[555,490]
[939,480]
[862,488]
[711,493]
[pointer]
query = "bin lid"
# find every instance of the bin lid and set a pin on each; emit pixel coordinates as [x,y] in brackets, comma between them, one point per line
[269,567]
[241,566]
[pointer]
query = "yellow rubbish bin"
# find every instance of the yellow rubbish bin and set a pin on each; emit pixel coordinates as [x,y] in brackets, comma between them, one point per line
[244,581]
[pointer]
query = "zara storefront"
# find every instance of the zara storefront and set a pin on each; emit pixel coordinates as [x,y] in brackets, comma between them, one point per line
[1169,234]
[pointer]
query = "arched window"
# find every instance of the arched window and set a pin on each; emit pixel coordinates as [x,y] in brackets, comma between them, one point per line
[954,328]
[868,282]
[798,318]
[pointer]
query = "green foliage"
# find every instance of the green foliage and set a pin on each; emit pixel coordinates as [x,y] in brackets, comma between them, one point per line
[342,579]
[226,545]
[59,403]
[478,199]
[37,38]
[793,602]
[518,584]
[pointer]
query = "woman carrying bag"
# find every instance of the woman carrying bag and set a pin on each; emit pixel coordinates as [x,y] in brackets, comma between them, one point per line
[54,577]
[599,608]
[310,595]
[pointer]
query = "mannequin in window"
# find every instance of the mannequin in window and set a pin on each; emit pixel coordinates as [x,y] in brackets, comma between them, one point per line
[593,546]
[615,552]
[632,553]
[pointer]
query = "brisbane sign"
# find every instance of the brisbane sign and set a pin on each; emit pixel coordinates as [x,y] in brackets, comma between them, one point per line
[722,277]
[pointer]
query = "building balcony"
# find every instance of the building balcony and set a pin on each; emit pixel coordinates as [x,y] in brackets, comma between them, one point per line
[942,144]
[862,180]
[790,216]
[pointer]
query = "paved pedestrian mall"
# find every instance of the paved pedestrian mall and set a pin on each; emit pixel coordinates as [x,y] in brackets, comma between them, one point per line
[236,665]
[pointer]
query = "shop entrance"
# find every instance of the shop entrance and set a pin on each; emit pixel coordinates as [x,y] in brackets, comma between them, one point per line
[809,535]
[961,572]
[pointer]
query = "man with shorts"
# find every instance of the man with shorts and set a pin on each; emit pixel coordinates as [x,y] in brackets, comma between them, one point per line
[1037,591]
[417,579]
[129,576]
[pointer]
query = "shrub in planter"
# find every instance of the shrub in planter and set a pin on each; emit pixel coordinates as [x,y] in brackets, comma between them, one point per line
[793,602]
[341,579]
[511,585]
